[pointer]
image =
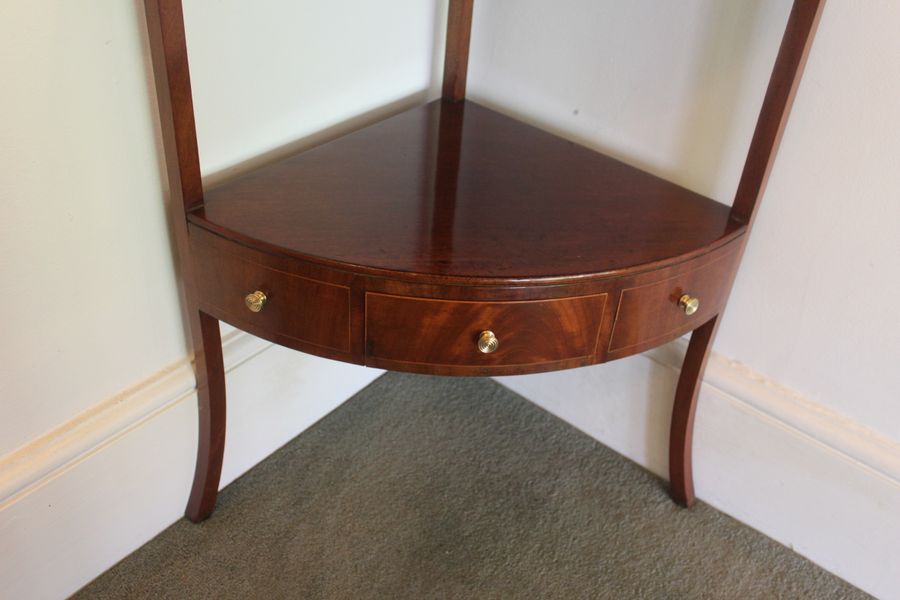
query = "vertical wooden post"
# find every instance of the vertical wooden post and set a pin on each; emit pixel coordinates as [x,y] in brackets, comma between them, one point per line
[165,26]
[681,434]
[456,55]
[783,84]
[795,45]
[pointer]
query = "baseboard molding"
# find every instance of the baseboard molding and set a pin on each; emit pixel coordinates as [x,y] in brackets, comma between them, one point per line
[804,475]
[86,494]
[790,409]
[35,462]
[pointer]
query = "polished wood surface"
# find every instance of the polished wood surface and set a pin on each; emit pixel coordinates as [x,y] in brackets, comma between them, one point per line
[168,53]
[430,328]
[418,334]
[648,313]
[168,50]
[783,84]
[525,204]
[681,434]
[310,311]
[396,245]
[456,55]
[210,419]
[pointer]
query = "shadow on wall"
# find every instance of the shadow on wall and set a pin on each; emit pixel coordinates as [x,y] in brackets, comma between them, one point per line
[691,126]
[659,398]
[717,82]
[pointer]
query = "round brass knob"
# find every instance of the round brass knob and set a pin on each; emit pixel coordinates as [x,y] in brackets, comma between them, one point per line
[689,304]
[487,342]
[255,301]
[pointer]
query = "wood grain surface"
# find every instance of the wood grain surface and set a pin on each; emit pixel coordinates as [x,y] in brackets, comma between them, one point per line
[456,55]
[416,334]
[396,245]
[432,328]
[456,191]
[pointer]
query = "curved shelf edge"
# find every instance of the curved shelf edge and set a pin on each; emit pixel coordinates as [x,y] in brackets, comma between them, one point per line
[392,322]
[453,192]
[734,233]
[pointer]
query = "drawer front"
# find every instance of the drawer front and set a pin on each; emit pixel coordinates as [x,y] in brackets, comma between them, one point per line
[650,314]
[403,331]
[303,310]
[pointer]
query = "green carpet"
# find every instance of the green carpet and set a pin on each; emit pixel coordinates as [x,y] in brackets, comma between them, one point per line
[427,487]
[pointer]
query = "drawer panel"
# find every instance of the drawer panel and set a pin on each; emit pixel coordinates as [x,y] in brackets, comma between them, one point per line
[419,331]
[305,310]
[650,314]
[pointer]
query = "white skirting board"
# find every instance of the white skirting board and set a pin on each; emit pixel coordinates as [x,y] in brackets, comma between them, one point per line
[800,473]
[86,494]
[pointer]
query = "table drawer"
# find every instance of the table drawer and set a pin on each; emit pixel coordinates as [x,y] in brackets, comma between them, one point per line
[404,331]
[306,311]
[650,314]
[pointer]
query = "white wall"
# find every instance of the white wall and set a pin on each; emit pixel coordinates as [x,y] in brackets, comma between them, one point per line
[806,445]
[97,422]
[86,256]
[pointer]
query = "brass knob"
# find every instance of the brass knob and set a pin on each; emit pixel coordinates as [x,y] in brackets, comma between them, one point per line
[487,342]
[689,304]
[255,301]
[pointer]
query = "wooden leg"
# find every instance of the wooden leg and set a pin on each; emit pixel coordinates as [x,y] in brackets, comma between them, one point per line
[211,404]
[682,431]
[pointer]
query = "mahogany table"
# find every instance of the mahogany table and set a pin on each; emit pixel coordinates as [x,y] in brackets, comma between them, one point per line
[450,239]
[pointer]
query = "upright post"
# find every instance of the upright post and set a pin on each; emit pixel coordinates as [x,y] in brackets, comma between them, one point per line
[783,84]
[456,55]
[165,26]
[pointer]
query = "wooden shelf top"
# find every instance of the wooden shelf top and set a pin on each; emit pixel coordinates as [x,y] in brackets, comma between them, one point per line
[458,192]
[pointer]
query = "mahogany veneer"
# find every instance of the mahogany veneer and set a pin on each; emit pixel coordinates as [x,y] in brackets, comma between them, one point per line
[403,244]
[431,335]
[452,190]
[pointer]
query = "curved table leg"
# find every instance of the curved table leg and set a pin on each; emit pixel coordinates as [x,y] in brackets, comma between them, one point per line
[211,404]
[682,432]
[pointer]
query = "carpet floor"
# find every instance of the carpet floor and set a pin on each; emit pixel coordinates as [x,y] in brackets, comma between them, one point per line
[427,487]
